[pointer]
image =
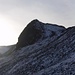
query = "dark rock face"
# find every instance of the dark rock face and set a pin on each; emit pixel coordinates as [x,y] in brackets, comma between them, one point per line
[37,30]
[30,34]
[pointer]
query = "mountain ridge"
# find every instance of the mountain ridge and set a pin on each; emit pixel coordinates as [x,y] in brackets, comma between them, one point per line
[52,54]
[38,30]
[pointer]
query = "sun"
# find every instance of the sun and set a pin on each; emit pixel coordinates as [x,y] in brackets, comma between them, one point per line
[7,33]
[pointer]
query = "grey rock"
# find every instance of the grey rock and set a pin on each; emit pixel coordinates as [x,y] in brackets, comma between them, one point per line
[52,54]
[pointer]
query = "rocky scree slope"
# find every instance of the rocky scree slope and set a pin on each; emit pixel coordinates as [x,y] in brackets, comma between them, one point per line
[42,49]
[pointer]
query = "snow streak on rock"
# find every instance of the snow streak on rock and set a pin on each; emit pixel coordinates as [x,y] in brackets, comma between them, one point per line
[42,49]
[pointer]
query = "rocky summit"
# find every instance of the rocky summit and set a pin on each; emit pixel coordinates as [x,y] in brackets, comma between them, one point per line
[42,49]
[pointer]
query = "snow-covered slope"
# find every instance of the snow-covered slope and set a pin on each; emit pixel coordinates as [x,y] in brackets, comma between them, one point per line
[52,54]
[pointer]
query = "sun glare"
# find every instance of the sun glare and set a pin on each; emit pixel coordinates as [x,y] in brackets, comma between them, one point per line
[7,33]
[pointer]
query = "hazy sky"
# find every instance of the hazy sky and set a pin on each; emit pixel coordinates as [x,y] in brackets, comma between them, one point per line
[16,14]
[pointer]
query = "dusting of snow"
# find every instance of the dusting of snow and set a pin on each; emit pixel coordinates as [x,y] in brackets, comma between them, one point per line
[52,55]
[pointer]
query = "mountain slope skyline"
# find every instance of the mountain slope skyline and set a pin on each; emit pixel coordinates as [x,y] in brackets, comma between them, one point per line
[42,49]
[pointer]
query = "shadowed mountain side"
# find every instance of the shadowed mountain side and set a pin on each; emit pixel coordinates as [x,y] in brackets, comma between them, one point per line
[37,30]
[30,34]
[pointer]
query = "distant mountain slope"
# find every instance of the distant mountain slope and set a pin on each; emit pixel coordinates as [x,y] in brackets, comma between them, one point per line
[51,52]
[4,49]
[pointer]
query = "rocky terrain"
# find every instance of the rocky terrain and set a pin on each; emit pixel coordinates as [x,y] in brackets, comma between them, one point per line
[42,49]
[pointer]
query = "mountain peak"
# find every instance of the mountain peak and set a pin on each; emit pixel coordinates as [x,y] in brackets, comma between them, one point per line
[30,34]
[50,51]
[35,20]
[37,30]
[35,24]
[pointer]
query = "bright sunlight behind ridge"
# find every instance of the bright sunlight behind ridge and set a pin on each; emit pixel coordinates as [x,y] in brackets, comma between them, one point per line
[7,32]
[16,14]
